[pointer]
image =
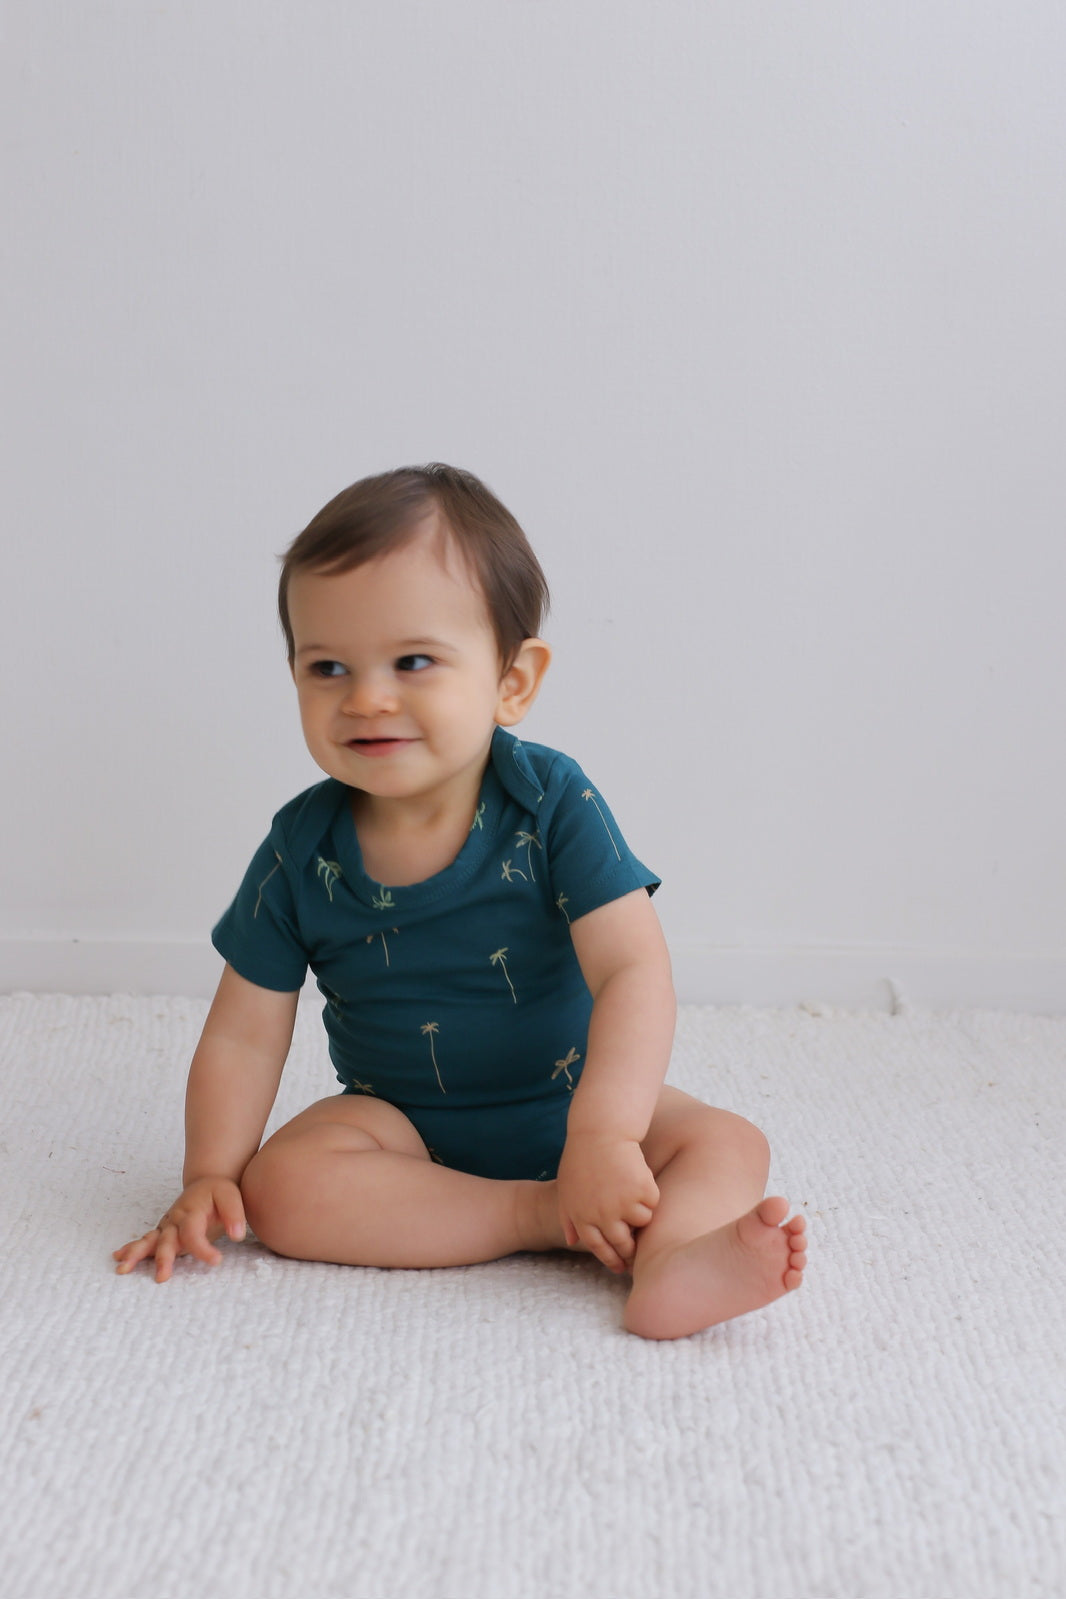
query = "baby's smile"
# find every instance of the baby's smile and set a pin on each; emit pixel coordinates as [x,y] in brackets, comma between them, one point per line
[379,746]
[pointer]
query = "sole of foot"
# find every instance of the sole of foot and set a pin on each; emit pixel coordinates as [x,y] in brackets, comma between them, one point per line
[724,1274]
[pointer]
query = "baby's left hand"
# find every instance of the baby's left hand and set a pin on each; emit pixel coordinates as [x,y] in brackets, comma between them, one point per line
[606,1189]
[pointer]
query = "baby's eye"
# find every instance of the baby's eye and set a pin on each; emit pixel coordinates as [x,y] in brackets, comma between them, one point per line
[413,663]
[327,669]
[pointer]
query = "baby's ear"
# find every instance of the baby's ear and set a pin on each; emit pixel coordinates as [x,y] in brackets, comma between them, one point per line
[520,684]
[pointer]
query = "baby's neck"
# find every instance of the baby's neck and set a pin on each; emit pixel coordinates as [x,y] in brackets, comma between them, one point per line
[406,842]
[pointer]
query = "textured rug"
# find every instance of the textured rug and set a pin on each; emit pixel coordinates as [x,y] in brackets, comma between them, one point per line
[278,1430]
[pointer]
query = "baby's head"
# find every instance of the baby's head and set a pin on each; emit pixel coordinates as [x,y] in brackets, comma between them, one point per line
[381,514]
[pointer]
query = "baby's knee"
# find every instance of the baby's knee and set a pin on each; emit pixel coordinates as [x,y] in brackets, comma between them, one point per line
[266,1192]
[727,1130]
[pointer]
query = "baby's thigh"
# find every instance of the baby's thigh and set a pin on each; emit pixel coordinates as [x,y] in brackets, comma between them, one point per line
[297,1170]
[346,1122]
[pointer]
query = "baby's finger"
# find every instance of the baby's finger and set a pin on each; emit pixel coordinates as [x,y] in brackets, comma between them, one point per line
[231,1214]
[621,1240]
[166,1252]
[133,1253]
[191,1239]
[604,1252]
[194,1241]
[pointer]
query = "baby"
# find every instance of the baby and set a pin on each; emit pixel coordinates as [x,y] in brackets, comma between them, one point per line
[499,1003]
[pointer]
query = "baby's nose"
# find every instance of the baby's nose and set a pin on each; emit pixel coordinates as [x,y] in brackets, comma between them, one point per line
[369,694]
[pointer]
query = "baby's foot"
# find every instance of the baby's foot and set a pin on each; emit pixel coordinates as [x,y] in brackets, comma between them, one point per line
[740,1267]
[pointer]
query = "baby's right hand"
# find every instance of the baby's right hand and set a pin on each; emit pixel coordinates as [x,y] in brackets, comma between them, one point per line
[205,1210]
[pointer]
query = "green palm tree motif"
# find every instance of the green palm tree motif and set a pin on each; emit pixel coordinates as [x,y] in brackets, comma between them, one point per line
[335,1003]
[384,900]
[264,883]
[589,795]
[370,937]
[529,841]
[565,1065]
[498,960]
[329,871]
[428,1030]
[561,903]
[478,818]
[511,872]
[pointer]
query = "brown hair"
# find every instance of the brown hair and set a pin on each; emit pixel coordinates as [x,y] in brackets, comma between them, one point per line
[380,514]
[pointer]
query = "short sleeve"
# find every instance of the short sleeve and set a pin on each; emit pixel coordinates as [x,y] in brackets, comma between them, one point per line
[589,861]
[258,935]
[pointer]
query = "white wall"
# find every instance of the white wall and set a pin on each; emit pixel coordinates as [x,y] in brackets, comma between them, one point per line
[753,314]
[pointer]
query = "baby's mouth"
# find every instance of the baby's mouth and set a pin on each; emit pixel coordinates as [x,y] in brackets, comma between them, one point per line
[377,746]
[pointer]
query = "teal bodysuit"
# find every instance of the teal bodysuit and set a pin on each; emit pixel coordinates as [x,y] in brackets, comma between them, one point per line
[459,999]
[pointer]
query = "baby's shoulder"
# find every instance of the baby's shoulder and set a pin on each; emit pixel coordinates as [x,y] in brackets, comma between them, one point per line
[534,773]
[300,824]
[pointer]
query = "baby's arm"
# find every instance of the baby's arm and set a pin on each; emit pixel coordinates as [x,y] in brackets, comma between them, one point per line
[233,1081]
[605,1186]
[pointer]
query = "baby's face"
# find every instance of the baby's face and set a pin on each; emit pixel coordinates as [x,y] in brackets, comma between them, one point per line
[398,673]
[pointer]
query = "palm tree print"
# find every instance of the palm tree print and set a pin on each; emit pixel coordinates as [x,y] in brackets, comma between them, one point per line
[529,842]
[478,821]
[383,901]
[264,883]
[589,795]
[428,1030]
[370,937]
[363,1088]
[329,871]
[565,1065]
[561,903]
[511,872]
[498,960]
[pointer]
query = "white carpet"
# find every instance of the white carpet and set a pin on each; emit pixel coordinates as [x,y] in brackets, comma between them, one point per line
[275,1430]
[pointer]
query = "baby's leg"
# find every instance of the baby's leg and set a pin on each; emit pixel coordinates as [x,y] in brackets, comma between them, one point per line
[350,1180]
[714,1248]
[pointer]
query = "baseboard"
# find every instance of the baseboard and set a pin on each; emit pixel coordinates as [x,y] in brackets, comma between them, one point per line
[871,979]
[108,966]
[845,979]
